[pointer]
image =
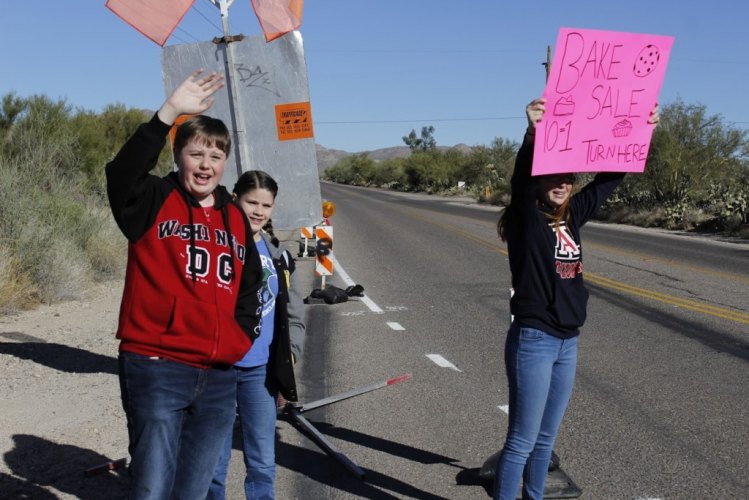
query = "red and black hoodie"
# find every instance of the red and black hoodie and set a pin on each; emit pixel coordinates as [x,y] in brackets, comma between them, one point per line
[192,284]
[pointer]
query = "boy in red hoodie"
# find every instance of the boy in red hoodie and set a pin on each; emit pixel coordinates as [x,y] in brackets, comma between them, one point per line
[190,307]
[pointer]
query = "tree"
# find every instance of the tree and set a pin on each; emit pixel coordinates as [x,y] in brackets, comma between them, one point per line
[10,108]
[697,169]
[491,166]
[40,133]
[100,136]
[690,150]
[355,170]
[424,143]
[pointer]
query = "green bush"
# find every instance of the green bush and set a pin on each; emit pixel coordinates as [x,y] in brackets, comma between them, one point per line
[58,235]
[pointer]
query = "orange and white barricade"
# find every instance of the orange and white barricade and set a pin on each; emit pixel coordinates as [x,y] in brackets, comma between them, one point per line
[306,233]
[324,252]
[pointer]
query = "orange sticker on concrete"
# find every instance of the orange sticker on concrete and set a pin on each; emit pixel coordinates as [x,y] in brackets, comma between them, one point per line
[294,121]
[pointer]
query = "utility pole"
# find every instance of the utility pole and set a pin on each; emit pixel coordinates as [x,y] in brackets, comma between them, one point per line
[548,61]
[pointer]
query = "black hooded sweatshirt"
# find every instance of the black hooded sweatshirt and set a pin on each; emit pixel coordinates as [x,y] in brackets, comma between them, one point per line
[547,264]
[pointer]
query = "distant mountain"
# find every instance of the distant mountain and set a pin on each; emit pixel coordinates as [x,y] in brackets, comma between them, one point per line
[329,157]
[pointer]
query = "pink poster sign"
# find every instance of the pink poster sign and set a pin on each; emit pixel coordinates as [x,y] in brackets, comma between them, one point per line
[601,89]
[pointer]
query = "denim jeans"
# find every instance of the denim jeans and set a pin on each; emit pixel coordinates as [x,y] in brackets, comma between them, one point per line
[256,405]
[177,418]
[540,374]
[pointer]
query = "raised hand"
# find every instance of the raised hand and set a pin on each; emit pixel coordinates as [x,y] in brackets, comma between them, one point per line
[655,116]
[192,96]
[534,111]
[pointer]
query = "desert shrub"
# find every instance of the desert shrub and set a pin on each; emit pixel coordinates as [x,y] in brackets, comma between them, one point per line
[49,215]
[433,171]
[105,247]
[17,291]
[61,272]
[647,217]
[355,170]
[47,238]
[388,174]
[729,203]
[416,169]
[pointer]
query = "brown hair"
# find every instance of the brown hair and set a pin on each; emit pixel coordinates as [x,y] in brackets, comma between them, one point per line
[258,179]
[255,179]
[201,128]
[562,213]
[502,223]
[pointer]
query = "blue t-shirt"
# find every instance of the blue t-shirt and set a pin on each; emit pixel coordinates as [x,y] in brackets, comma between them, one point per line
[260,351]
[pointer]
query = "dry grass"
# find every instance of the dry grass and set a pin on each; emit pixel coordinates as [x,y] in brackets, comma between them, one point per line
[635,217]
[59,238]
[16,290]
[106,248]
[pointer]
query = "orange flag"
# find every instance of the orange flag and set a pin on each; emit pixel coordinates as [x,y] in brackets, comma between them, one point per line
[179,121]
[278,17]
[156,19]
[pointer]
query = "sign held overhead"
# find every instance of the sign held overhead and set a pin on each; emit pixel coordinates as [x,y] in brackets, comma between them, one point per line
[601,89]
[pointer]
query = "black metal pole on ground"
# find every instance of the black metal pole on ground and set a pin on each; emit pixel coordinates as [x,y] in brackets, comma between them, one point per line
[294,413]
[296,416]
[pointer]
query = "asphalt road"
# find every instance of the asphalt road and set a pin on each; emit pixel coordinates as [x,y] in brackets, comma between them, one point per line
[661,403]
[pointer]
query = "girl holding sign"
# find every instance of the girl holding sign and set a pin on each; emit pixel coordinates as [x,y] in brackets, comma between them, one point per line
[542,229]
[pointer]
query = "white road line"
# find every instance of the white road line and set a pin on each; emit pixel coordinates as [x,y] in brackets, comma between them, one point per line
[504,408]
[442,362]
[349,282]
[395,326]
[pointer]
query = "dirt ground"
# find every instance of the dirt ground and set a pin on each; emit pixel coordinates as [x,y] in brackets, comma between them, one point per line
[61,418]
[60,411]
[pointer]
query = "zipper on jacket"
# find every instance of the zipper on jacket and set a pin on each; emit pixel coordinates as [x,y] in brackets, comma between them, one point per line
[206,213]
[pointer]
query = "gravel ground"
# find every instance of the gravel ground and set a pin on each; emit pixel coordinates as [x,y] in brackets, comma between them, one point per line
[61,420]
[60,412]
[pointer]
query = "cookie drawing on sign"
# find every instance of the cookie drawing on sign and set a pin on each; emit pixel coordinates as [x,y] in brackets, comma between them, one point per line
[646,61]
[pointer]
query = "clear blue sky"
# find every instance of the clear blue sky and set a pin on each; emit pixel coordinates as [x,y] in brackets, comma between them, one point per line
[379,68]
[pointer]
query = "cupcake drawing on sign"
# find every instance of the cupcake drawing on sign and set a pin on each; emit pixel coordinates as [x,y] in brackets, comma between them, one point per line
[622,128]
[647,61]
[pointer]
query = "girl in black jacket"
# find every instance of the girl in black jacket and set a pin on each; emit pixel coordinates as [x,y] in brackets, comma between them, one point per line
[542,229]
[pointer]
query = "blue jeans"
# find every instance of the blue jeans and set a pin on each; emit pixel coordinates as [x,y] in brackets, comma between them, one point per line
[540,375]
[177,418]
[256,405]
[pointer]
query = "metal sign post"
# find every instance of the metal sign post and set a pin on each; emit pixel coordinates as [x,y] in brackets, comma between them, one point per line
[229,74]
[266,104]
